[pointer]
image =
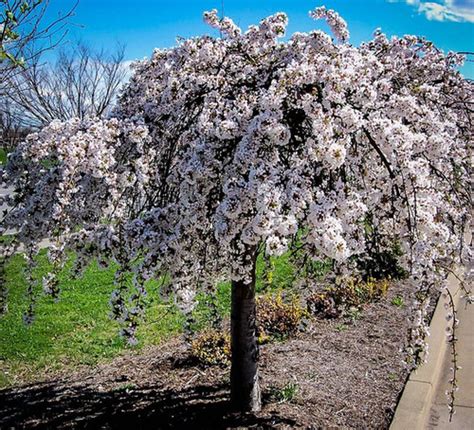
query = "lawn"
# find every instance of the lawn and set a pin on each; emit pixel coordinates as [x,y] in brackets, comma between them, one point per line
[322,375]
[3,156]
[77,329]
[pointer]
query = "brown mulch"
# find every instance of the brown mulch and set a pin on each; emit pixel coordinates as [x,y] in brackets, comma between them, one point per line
[347,374]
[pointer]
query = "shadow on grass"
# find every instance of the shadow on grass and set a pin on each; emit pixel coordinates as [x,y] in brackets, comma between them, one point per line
[54,405]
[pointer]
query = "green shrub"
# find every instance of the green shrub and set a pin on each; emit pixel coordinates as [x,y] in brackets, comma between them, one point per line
[322,304]
[277,319]
[349,293]
[211,347]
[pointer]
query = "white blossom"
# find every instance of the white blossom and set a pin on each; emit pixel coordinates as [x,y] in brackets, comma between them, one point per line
[220,145]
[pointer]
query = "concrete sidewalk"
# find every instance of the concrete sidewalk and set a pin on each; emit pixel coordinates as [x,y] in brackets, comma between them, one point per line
[424,404]
[464,400]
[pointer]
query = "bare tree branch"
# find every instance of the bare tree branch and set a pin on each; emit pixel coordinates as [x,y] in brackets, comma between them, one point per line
[82,83]
[24,34]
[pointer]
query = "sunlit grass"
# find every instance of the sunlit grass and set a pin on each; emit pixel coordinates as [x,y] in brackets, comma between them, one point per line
[77,329]
[3,156]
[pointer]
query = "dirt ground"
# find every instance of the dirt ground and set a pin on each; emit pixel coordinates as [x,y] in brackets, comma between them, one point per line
[344,374]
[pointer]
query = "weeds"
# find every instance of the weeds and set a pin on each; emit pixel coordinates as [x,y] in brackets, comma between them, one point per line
[284,394]
[124,388]
[347,297]
[398,302]
[354,314]
[341,327]
[392,376]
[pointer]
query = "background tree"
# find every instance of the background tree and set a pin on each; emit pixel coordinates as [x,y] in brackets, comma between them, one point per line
[224,148]
[81,83]
[12,129]
[24,34]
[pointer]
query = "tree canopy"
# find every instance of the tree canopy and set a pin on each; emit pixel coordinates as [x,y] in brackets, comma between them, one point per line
[221,147]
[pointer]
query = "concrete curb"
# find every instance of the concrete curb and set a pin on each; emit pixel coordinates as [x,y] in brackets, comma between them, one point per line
[414,406]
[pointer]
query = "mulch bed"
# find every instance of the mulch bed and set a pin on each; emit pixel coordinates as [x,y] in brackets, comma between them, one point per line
[348,375]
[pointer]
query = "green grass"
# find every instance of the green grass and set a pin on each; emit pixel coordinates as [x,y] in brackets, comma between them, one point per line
[74,330]
[3,156]
[77,328]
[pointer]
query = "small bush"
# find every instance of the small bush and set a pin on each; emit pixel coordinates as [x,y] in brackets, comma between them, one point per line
[322,304]
[276,318]
[349,293]
[352,292]
[211,347]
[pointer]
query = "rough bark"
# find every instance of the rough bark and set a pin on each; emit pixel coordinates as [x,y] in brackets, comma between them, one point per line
[245,388]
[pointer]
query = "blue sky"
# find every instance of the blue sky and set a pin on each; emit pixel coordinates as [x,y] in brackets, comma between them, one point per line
[145,24]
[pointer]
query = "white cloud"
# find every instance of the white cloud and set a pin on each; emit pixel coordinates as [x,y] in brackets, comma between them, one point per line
[445,10]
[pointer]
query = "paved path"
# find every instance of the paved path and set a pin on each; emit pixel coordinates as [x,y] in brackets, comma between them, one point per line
[424,404]
[463,419]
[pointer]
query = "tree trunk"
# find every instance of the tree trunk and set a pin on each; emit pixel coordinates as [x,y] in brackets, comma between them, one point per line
[245,388]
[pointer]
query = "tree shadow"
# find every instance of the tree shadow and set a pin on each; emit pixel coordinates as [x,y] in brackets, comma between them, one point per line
[55,405]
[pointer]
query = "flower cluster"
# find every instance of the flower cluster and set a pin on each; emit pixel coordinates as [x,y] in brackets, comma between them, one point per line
[225,25]
[335,21]
[220,146]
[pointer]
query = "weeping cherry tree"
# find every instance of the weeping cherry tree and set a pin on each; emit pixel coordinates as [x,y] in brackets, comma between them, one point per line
[223,148]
